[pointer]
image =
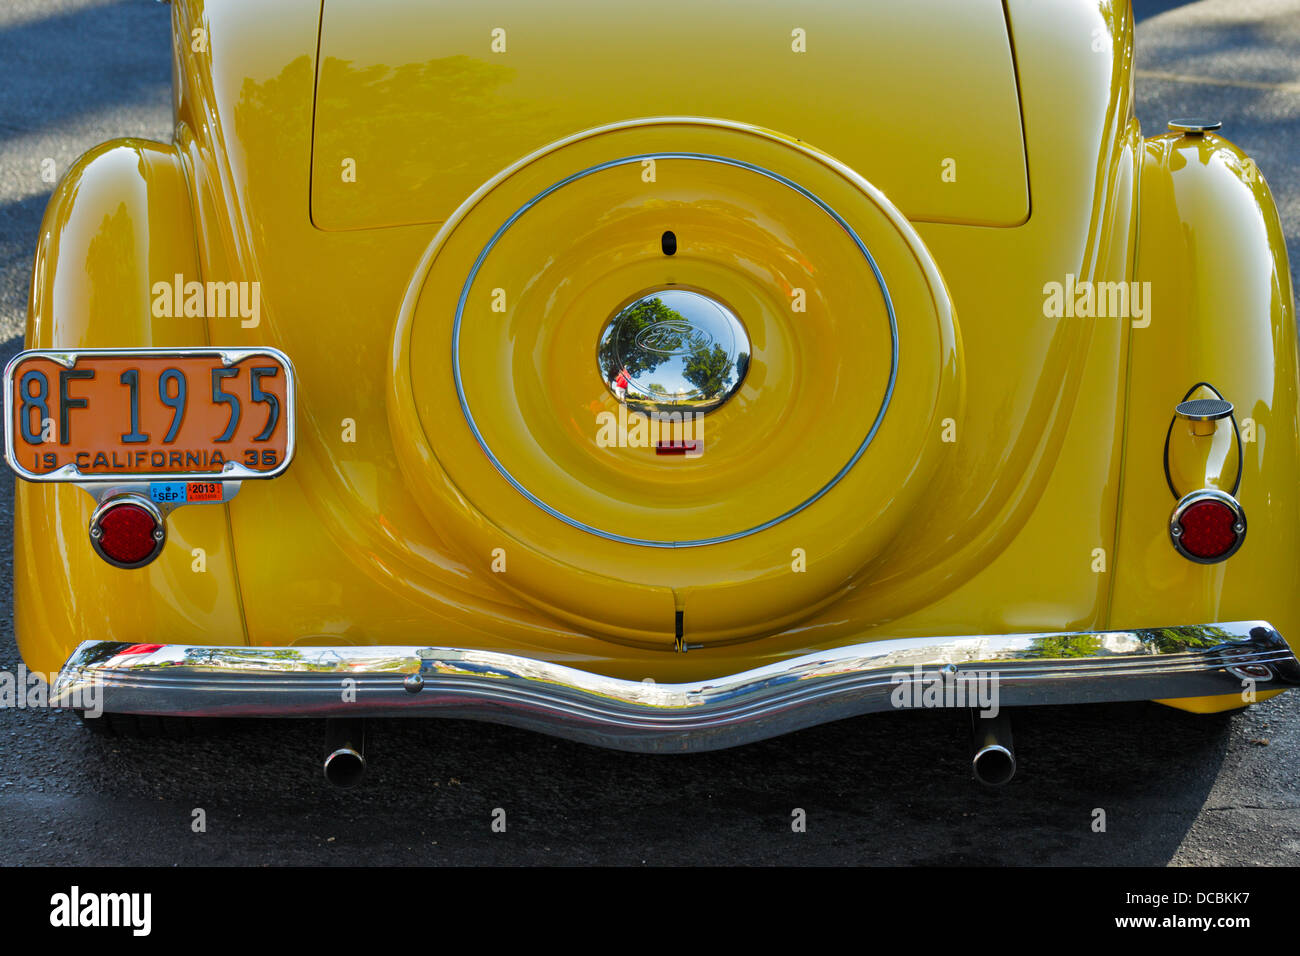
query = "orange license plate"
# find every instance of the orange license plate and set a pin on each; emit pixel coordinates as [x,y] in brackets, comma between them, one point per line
[149,414]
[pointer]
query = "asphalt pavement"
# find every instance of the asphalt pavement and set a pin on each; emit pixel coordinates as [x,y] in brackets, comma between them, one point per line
[886,789]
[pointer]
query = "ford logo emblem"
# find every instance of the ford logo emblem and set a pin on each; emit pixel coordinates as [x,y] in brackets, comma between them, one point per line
[673,337]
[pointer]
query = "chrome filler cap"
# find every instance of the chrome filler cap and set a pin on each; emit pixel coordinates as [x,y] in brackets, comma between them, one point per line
[1194,127]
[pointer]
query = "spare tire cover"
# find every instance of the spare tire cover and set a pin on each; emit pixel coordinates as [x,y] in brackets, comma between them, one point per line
[524,456]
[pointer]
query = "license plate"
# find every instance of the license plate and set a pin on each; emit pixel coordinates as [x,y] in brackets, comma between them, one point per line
[149,414]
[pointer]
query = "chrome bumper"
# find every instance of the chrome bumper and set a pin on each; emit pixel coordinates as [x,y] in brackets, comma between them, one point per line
[1026,669]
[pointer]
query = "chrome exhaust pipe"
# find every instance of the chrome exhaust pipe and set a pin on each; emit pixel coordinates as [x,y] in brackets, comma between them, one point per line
[345,751]
[994,762]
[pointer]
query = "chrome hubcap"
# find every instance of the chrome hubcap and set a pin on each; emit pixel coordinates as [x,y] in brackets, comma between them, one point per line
[674,350]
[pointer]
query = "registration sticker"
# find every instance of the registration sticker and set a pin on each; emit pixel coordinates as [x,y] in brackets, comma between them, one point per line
[203,491]
[179,492]
[167,492]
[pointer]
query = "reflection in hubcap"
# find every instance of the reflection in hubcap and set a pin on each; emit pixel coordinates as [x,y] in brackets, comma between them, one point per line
[674,349]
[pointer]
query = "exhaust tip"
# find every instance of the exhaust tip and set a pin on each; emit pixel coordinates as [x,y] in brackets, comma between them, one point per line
[345,767]
[994,765]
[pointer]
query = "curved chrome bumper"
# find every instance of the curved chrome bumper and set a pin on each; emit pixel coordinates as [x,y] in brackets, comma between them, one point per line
[1016,669]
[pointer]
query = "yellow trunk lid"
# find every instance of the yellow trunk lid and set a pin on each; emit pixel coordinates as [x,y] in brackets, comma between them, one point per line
[417,105]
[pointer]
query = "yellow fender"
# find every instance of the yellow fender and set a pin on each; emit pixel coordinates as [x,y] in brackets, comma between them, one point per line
[1211,246]
[118,222]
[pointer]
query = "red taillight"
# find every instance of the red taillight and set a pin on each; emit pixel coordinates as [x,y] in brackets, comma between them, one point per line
[1207,526]
[127,533]
[1207,529]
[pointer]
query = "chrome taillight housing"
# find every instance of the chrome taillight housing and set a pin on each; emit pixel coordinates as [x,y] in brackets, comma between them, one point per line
[1207,526]
[127,530]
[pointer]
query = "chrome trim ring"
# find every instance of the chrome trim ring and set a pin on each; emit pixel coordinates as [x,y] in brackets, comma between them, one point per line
[1195,660]
[1195,497]
[232,471]
[115,501]
[651,542]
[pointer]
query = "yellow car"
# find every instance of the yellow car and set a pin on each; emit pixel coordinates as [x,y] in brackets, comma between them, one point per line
[661,376]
